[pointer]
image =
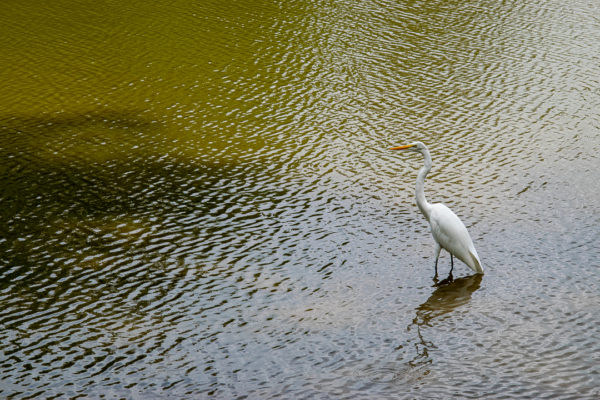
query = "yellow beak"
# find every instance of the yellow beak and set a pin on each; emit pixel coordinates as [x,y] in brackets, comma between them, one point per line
[402,147]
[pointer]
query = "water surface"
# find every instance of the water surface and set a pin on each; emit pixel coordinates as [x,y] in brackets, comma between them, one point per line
[197,200]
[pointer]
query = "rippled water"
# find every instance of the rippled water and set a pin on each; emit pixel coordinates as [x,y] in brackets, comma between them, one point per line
[197,200]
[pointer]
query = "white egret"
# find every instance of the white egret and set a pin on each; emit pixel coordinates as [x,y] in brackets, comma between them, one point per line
[447,229]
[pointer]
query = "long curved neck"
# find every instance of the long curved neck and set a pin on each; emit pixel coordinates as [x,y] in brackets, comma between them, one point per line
[424,206]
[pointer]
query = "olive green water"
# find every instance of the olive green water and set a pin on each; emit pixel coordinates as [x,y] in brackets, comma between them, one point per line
[197,200]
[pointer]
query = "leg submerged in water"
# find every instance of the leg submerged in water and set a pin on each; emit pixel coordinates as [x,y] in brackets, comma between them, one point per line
[437,256]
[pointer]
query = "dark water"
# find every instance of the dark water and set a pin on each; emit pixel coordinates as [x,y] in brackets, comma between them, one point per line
[197,200]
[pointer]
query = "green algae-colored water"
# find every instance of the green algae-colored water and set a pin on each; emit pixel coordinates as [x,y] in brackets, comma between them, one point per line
[197,200]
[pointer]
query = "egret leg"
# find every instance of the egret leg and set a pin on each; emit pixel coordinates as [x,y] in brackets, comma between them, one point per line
[437,256]
[450,278]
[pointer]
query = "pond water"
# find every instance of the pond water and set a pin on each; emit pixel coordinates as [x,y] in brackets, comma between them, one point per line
[198,200]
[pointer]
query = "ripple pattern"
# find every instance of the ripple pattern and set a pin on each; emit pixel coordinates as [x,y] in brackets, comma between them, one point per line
[197,200]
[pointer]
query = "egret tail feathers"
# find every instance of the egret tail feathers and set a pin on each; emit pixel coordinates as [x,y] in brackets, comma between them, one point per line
[476,263]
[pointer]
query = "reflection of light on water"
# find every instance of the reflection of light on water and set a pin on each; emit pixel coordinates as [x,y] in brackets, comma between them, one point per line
[442,301]
[196,199]
[413,362]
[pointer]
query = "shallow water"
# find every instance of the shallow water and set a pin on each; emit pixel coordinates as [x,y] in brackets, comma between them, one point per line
[197,200]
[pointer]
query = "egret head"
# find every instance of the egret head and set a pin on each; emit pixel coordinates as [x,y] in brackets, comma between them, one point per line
[417,147]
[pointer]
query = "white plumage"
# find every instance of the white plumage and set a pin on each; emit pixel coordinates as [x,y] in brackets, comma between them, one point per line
[447,229]
[451,234]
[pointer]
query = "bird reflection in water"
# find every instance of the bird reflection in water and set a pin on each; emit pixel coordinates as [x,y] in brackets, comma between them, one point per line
[445,299]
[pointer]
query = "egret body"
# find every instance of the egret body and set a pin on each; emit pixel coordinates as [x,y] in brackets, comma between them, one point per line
[447,229]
